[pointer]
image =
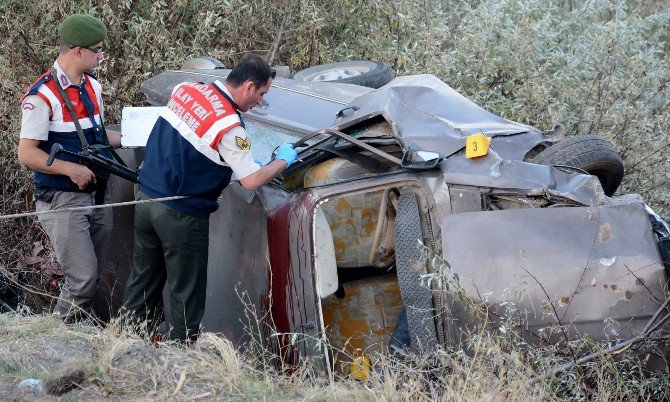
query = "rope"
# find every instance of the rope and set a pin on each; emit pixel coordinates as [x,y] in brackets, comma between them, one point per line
[118,204]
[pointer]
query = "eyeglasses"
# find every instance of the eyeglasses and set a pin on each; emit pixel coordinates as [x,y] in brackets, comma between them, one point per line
[96,50]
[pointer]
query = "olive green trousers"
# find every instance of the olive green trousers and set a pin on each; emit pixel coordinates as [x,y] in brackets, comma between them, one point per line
[170,246]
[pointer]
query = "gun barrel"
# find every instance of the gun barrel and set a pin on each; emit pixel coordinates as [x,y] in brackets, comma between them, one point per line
[125,173]
[109,165]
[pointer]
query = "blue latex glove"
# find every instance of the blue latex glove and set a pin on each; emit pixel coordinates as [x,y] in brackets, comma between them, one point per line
[287,153]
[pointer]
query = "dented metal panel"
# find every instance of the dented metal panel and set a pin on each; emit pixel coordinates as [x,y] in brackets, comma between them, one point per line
[237,269]
[425,113]
[579,260]
[491,171]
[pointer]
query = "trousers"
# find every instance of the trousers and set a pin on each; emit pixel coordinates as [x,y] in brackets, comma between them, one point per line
[80,240]
[170,246]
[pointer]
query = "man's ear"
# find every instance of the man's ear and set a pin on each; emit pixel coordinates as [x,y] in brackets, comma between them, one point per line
[249,86]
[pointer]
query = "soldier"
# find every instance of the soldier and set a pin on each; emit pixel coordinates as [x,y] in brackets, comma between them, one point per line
[65,106]
[193,149]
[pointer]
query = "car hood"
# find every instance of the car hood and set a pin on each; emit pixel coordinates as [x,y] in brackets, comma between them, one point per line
[427,114]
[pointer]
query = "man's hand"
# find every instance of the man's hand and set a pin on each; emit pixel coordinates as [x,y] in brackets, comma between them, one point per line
[33,157]
[287,153]
[282,158]
[114,137]
[80,175]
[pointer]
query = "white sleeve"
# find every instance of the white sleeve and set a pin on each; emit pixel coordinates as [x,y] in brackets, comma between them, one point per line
[35,118]
[235,150]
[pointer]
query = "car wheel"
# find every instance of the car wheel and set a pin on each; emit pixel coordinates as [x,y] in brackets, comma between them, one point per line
[418,299]
[367,73]
[591,153]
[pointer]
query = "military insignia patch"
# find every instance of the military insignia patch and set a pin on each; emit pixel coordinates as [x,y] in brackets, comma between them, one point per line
[243,143]
[28,106]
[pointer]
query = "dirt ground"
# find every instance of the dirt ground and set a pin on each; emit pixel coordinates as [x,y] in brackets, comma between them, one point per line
[84,362]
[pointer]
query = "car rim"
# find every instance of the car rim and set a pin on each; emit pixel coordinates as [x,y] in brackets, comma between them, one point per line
[337,74]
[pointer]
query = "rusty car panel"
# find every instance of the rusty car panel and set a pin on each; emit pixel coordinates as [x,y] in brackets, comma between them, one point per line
[573,266]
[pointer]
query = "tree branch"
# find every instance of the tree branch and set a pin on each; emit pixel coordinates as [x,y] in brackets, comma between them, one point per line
[649,329]
[280,31]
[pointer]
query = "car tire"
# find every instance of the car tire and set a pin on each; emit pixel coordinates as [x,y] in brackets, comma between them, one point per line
[418,299]
[367,73]
[590,153]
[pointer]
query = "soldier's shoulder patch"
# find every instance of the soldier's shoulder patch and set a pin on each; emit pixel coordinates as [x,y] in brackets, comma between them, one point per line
[243,143]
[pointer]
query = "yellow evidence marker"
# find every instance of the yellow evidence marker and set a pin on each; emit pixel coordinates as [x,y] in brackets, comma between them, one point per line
[360,368]
[477,145]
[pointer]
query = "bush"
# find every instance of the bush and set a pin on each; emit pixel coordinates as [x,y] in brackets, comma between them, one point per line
[597,67]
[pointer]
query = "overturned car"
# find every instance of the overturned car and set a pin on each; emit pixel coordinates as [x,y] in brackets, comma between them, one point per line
[334,252]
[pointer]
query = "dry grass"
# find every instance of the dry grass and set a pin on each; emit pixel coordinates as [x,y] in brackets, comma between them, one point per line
[122,366]
[118,365]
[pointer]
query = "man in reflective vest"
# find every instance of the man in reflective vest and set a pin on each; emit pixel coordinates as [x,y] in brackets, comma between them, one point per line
[78,237]
[195,146]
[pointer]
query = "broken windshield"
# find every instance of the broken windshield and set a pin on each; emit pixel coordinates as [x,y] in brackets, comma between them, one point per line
[265,138]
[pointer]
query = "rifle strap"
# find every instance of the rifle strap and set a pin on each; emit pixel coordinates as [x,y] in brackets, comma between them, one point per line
[75,120]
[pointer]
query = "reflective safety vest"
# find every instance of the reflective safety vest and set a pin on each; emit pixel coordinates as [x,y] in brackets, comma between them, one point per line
[62,130]
[181,155]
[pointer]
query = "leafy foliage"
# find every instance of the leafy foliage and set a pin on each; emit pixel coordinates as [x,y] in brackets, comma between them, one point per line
[596,67]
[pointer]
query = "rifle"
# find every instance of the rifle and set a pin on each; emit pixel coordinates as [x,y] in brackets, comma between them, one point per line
[100,166]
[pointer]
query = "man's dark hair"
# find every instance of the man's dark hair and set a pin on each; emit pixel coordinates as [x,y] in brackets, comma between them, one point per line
[250,67]
[64,47]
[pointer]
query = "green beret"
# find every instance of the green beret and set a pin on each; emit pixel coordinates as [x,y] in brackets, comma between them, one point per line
[82,30]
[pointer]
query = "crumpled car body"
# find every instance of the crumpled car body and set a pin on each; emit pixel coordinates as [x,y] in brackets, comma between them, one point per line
[337,248]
